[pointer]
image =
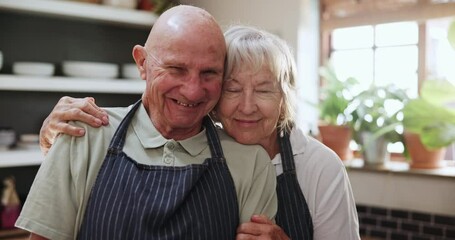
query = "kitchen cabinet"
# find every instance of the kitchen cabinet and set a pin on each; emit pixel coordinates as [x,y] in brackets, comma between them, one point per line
[85,12]
[54,31]
[82,11]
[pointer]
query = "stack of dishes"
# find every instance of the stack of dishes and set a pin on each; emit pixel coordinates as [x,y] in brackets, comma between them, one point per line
[7,138]
[40,69]
[130,71]
[90,69]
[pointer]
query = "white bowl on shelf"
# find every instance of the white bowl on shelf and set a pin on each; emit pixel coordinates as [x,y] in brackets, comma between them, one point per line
[131,4]
[90,69]
[130,71]
[7,138]
[41,69]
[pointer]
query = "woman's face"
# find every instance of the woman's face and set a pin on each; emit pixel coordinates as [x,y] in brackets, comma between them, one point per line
[250,106]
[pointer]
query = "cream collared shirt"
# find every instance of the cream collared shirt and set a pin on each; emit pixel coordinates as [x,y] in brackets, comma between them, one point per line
[57,200]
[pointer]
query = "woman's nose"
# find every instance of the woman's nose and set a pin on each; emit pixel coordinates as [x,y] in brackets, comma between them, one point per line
[248,104]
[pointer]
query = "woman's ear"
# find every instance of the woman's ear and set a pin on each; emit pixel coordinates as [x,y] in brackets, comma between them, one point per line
[140,57]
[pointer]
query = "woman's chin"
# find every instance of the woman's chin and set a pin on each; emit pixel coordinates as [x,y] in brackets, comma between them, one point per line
[246,141]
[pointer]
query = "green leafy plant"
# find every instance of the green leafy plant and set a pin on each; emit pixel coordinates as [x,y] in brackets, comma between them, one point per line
[336,96]
[378,110]
[432,114]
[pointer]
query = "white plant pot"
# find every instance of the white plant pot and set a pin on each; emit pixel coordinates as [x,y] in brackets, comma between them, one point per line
[374,151]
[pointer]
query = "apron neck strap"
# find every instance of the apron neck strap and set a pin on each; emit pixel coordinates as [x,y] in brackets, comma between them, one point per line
[212,138]
[287,156]
[119,137]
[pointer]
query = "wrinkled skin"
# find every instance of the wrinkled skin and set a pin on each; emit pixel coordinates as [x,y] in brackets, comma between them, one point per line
[260,227]
[250,107]
[70,109]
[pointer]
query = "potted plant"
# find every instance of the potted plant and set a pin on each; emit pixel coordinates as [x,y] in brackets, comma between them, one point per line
[376,121]
[429,123]
[334,126]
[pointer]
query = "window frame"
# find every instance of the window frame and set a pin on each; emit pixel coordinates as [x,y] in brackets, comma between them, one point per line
[369,12]
[343,13]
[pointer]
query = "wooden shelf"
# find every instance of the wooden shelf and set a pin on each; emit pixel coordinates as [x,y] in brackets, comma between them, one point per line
[69,84]
[82,11]
[21,157]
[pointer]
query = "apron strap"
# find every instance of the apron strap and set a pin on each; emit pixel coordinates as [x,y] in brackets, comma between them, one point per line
[293,213]
[119,137]
[212,138]
[286,152]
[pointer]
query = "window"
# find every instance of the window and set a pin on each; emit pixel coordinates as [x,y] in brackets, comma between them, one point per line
[381,42]
[441,55]
[378,54]
[376,30]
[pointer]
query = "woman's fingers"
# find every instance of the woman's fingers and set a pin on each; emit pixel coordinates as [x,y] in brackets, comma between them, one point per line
[70,109]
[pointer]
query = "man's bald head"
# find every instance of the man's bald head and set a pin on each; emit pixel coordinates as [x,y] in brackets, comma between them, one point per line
[184,20]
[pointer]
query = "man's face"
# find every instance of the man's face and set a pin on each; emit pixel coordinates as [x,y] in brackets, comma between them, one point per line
[184,78]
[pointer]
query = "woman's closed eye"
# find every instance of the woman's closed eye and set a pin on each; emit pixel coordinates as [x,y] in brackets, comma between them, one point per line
[263,91]
[266,90]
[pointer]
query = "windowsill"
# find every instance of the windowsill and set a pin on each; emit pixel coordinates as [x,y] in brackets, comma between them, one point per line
[402,167]
[32,156]
[396,186]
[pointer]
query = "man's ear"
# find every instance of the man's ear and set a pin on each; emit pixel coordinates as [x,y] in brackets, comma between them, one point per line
[140,56]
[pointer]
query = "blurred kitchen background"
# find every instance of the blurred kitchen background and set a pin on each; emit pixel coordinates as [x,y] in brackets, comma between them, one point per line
[54,48]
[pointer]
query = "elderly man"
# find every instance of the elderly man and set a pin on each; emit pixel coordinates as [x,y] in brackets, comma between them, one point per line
[159,170]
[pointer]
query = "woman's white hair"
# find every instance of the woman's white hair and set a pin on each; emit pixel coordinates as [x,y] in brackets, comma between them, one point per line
[253,48]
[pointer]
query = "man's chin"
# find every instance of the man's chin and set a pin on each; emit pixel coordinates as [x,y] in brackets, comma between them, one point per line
[188,122]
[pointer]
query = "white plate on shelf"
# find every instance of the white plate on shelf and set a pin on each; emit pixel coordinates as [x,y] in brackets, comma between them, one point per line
[90,69]
[41,69]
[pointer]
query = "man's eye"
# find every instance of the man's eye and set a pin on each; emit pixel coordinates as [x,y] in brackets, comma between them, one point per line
[210,75]
[174,69]
[210,72]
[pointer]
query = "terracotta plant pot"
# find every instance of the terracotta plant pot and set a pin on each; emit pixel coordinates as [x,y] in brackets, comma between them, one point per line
[337,138]
[421,157]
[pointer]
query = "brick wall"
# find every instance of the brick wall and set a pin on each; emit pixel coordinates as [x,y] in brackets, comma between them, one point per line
[395,224]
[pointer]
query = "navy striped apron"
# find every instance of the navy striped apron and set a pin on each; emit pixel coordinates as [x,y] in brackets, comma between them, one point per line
[130,200]
[293,214]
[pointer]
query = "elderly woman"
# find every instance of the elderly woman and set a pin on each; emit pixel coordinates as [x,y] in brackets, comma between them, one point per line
[257,106]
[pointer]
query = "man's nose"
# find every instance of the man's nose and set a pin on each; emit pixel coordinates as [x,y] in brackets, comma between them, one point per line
[192,88]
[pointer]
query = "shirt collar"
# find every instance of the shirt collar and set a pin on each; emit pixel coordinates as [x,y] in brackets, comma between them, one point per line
[196,144]
[145,131]
[151,138]
[299,140]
